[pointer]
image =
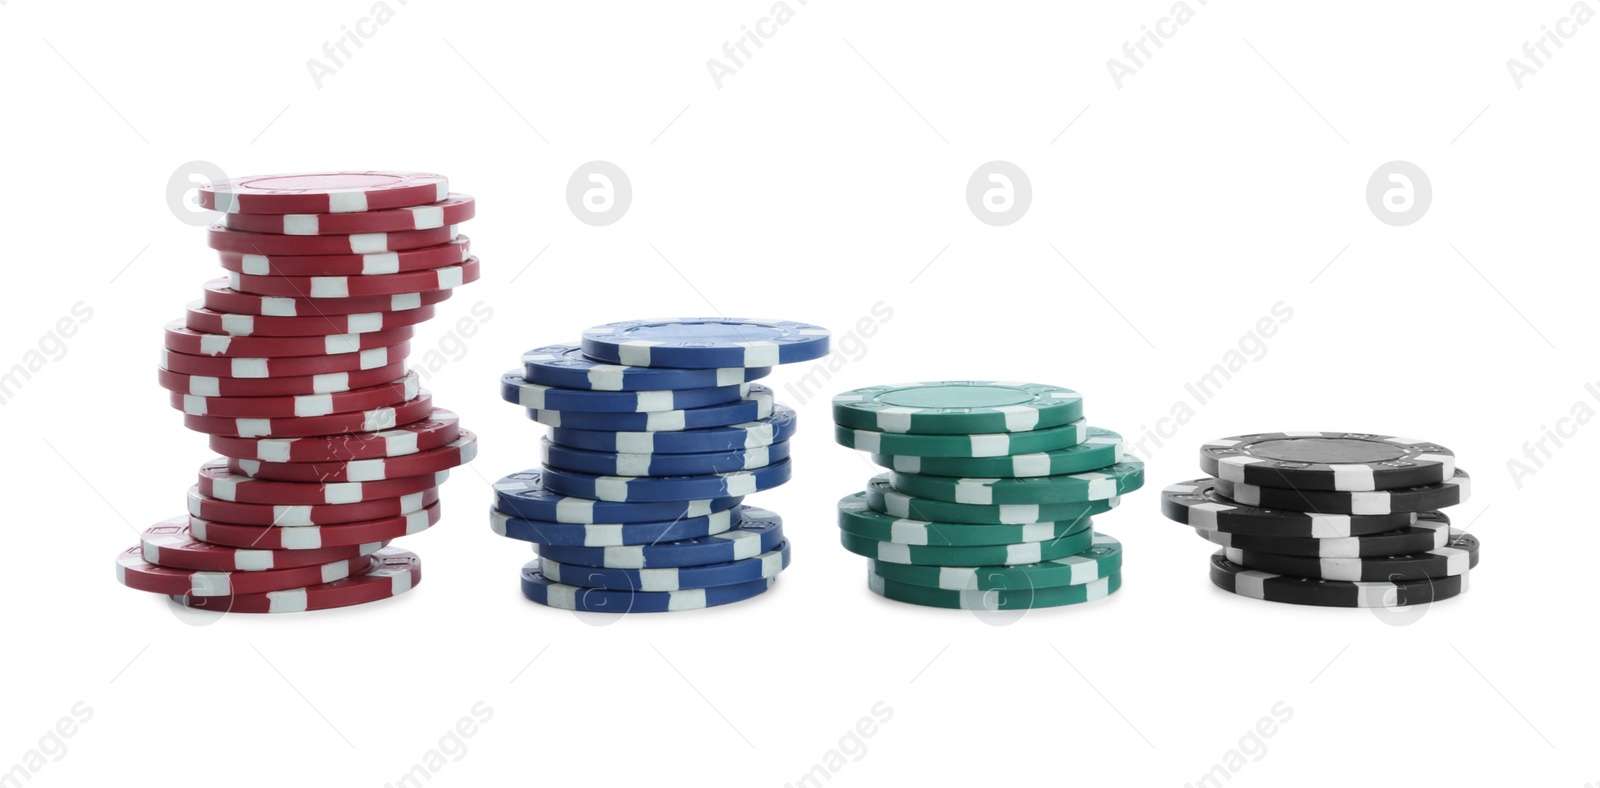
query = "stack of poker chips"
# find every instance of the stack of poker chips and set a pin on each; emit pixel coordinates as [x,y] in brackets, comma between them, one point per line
[1334,519]
[988,501]
[295,366]
[657,434]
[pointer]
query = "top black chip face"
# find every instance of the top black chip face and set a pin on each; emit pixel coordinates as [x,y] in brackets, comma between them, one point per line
[1330,461]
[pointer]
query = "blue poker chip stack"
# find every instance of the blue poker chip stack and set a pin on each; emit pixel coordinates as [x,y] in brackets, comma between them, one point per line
[657,435]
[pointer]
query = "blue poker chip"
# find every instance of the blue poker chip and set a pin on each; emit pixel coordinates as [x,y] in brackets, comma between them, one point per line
[541,589]
[756,404]
[650,489]
[611,534]
[747,570]
[780,427]
[759,531]
[516,389]
[523,495]
[607,463]
[705,342]
[566,366]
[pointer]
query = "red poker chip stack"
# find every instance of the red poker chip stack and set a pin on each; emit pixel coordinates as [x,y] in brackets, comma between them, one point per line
[295,365]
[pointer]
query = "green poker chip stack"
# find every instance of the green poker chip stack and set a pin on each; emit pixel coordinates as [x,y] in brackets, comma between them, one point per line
[989,494]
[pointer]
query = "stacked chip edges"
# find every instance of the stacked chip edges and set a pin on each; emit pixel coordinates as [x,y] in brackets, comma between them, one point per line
[1332,519]
[638,505]
[988,501]
[295,365]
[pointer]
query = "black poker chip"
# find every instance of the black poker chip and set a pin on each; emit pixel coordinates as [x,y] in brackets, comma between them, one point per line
[1455,558]
[1431,532]
[1199,503]
[1452,491]
[1270,587]
[1333,461]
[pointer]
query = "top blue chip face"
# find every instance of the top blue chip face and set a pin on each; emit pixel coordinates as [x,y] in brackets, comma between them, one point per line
[705,342]
[566,366]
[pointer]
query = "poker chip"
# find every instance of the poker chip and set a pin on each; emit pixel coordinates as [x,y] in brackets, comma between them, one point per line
[1099,449]
[453,209]
[759,531]
[602,463]
[882,497]
[364,421]
[181,339]
[326,383]
[537,587]
[302,406]
[458,452]
[1329,461]
[755,405]
[565,366]
[1430,532]
[222,298]
[375,264]
[1453,491]
[992,600]
[439,429]
[314,537]
[736,437]
[612,534]
[1270,587]
[290,515]
[650,489]
[324,192]
[856,517]
[282,367]
[396,572]
[407,282]
[170,544]
[222,239]
[1102,559]
[705,343]
[200,318]
[217,481]
[1109,482]
[515,389]
[135,572]
[957,407]
[1200,503]
[985,445]
[971,556]
[1455,558]
[748,570]
[523,495]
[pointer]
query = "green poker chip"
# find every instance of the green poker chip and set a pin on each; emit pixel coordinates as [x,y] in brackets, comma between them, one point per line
[988,555]
[1014,599]
[856,517]
[997,444]
[1097,485]
[1102,559]
[882,497]
[957,407]
[1101,448]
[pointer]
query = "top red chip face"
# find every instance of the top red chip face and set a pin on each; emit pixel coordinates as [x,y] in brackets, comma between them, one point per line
[325,192]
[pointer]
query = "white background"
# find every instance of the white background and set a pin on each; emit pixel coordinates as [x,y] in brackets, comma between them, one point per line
[821,179]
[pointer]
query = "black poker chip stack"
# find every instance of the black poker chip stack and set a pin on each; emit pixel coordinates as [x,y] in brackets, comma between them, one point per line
[1334,519]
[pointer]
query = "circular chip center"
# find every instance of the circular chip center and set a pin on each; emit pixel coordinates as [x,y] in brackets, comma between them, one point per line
[695,334]
[323,182]
[1328,451]
[973,396]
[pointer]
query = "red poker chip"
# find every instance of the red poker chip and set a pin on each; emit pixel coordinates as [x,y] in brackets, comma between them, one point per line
[457,453]
[222,298]
[430,280]
[213,386]
[170,544]
[361,421]
[314,537]
[454,209]
[396,572]
[324,192]
[138,574]
[200,318]
[297,515]
[439,429]
[224,240]
[375,264]
[283,366]
[182,339]
[222,484]
[303,406]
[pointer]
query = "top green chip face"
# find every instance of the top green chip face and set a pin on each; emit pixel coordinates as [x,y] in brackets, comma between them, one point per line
[957,407]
